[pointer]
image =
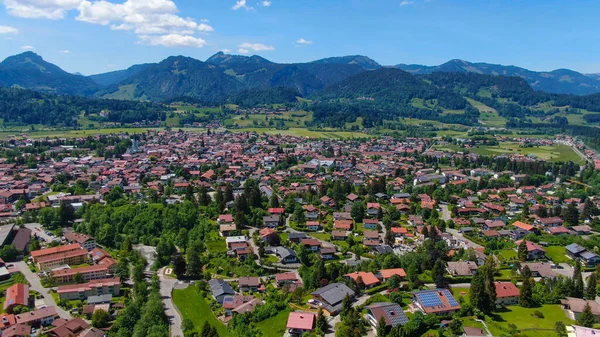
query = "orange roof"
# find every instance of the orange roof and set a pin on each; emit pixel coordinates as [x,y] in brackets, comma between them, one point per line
[55,250]
[17,294]
[368,278]
[387,273]
[523,226]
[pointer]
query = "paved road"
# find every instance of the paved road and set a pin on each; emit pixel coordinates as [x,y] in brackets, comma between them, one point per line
[34,284]
[167,284]
[37,230]
[446,215]
[567,271]
[462,238]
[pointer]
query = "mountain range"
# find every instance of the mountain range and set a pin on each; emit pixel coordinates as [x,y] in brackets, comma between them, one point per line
[223,76]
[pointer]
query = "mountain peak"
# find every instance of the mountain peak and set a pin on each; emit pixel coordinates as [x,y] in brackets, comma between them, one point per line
[363,61]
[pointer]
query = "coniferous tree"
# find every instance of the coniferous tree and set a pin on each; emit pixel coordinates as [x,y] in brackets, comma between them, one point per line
[522,251]
[578,285]
[438,271]
[572,215]
[590,291]
[526,296]
[586,318]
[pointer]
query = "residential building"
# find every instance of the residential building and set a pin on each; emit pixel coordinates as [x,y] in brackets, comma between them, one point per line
[86,241]
[16,295]
[461,268]
[300,323]
[110,286]
[506,293]
[219,289]
[332,296]
[392,314]
[437,302]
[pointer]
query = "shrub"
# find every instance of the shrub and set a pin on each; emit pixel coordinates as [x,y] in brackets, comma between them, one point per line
[538,314]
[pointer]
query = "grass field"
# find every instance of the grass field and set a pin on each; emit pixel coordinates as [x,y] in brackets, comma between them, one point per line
[557,254]
[72,133]
[291,119]
[191,305]
[217,246]
[551,153]
[488,116]
[525,322]
[301,132]
[508,254]
[274,326]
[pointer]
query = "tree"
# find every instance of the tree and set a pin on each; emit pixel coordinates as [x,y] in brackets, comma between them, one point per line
[394,282]
[77,278]
[358,211]
[179,265]
[560,329]
[66,213]
[590,291]
[526,296]
[100,319]
[187,325]
[274,202]
[456,326]
[572,215]
[322,323]
[382,328]
[439,269]
[194,263]
[578,289]
[522,251]
[586,318]
[9,253]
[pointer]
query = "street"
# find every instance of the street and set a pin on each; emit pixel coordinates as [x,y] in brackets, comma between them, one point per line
[167,284]
[462,238]
[446,215]
[34,284]
[37,230]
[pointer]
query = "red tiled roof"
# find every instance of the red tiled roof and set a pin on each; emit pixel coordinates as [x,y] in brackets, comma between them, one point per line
[387,273]
[301,320]
[368,278]
[506,289]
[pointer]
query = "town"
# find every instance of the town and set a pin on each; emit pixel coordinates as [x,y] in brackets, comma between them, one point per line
[214,233]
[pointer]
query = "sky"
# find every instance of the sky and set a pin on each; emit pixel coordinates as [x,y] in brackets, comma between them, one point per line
[89,36]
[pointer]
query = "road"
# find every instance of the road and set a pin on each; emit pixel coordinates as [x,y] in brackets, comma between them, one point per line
[446,215]
[34,284]
[462,238]
[37,230]
[167,284]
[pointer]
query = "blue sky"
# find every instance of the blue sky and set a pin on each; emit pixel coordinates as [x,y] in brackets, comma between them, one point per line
[90,36]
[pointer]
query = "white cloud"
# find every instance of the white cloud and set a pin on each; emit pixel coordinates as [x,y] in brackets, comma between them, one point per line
[265,3]
[27,47]
[226,51]
[46,9]
[153,21]
[241,4]
[406,2]
[303,41]
[173,40]
[65,51]
[245,48]
[8,30]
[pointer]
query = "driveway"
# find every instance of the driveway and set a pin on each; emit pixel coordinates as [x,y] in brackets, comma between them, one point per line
[462,238]
[445,215]
[167,284]
[34,284]
[37,230]
[567,271]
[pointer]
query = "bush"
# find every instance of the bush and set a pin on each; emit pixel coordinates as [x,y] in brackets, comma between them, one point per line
[377,289]
[538,314]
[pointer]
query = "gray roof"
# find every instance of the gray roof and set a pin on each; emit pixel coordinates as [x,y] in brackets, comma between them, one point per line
[588,255]
[334,293]
[575,248]
[97,299]
[281,252]
[5,232]
[297,236]
[219,287]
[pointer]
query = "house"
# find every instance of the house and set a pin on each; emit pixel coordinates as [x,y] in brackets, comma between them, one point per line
[327,253]
[332,295]
[506,293]
[373,209]
[580,331]
[269,236]
[67,328]
[368,279]
[557,230]
[339,235]
[385,274]
[44,316]
[219,289]
[249,284]
[300,323]
[240,304]
[227,229]
[286,278]
[296,237]
[370,223]
[95,272]
[391,313]
[311,212]
[534,251]
[272,221]
[22,239]
[93,288]
[73,257]
[343,225]
[17,330]
[231,240]
[521,229]
[539,269]
[461,268]
[549,222]
[17,295]
[225,218]
[437,302]
[284,254]
[86,241]
[590,259]
[36,255]
[312,244]
[575,306]
[574,251]
[314,225]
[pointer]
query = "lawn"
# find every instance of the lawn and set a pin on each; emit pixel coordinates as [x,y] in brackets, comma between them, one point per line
[508,254]
[217,246]
[321,236]
[274,326]
[557,254]
[551,153]
[461,292]
[523,319]
[193,306]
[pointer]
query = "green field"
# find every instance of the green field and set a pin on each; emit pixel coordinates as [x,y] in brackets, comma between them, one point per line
[274,326]
[72,133]
[291,119]
[191,305]
[488,116]
[508,254]
[301,132]
[557,254]
[525,322]
[550,153]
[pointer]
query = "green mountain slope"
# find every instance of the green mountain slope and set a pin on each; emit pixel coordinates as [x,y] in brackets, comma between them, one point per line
[28,70]
[560,81]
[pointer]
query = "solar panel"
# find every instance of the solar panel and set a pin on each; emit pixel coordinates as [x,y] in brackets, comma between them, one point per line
[451,299]
[396,316]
